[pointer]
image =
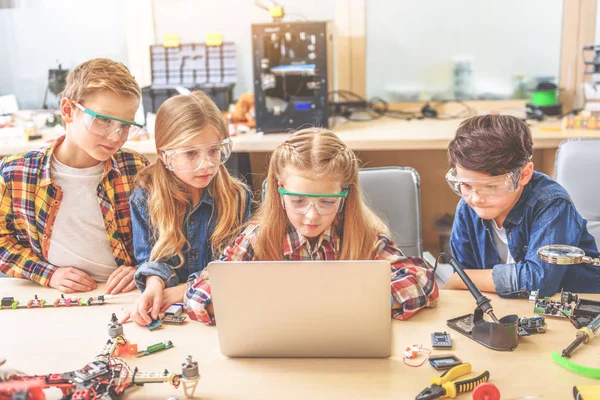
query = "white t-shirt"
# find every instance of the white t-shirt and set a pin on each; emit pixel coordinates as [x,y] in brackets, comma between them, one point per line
[501,242]
[79,236]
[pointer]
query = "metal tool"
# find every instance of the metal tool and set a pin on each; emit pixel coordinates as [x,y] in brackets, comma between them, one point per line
[483,302]
[446,386]
[583,335]
[565,255]
[501,334]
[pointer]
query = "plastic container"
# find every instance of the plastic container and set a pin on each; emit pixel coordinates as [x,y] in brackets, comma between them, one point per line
[196,66]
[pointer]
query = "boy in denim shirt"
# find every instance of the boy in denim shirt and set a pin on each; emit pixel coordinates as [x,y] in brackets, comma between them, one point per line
[508,211]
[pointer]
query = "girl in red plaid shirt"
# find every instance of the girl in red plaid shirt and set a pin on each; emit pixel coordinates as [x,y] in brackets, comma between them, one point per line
[313,210]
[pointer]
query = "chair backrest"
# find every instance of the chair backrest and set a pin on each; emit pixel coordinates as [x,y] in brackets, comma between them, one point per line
[394,193]
[577,162]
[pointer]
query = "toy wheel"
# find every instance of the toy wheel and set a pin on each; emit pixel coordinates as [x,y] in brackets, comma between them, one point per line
[486,391]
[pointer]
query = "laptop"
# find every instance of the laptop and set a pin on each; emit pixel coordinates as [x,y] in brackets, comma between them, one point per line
[302,308]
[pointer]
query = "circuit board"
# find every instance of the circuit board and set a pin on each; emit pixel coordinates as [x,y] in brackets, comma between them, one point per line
[552,308]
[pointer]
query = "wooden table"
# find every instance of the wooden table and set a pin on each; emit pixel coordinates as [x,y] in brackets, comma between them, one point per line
[421,144]
[42,341]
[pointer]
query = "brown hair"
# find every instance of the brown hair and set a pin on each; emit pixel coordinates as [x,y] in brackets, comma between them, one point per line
[178,120]
[491,144]
[100,74]
[320,154]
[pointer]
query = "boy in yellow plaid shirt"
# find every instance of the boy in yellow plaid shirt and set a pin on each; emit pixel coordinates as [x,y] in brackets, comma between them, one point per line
[64,211]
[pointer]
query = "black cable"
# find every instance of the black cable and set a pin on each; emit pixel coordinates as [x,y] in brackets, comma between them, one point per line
[565,315]
[376,107]
[468,110]
[437,260]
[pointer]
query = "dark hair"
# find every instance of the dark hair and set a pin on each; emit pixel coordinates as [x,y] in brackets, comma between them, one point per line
[491,144]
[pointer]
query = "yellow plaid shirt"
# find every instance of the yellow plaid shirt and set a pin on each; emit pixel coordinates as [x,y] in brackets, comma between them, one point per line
[29,203]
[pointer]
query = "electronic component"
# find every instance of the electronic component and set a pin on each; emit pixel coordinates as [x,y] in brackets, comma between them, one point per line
[9,302]
[155,348]
[568,297]
[444,361]
[107,377]
[441,340]
[551,308]
[586,310]
[91,371]
[527,326]
[293,73]
[580,315]
[66,301]
[167,319]
[155,324]
[174,310]
[36,303]
[173,315]
[96,301]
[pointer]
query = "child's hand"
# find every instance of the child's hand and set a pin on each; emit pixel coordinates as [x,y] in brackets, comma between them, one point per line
[173,295]
[150,300]
[121,280]
[71,280]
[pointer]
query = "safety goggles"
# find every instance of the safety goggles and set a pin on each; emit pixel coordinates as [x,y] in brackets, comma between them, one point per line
[300,203]
[190,159]
[105,126]
[495,186]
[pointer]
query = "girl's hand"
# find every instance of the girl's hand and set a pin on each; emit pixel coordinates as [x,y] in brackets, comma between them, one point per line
[173,295]
[150,300]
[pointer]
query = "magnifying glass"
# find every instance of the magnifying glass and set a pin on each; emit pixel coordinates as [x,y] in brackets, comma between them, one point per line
[565,255]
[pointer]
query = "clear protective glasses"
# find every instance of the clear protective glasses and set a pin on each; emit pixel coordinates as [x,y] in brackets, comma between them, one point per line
[105,126]
[300,203]
[191,159]
[494,186]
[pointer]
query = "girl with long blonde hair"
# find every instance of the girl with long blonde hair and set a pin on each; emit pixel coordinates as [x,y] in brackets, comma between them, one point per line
[187,208]
[313,210]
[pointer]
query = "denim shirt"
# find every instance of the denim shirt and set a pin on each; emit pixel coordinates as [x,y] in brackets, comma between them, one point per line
[199,224]
[543,215]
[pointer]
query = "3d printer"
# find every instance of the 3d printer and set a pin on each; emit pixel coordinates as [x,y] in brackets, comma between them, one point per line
[292,73]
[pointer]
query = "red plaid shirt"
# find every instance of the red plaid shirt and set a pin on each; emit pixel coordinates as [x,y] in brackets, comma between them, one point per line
[413,285]
[29,203]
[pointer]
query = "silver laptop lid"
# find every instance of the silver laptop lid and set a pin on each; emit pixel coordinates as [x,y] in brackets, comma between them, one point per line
[302,308]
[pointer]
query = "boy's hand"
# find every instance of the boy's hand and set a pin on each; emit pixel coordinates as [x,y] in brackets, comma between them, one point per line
[71,280]
[150,300]
[173,295]
[482,278]
[121,280]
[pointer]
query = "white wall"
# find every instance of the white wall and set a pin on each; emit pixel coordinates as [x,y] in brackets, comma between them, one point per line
[37,33]
[410,44]
[193,19]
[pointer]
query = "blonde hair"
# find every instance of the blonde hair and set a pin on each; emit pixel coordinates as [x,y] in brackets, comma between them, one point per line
[179,119]
[100,74]
[320,154]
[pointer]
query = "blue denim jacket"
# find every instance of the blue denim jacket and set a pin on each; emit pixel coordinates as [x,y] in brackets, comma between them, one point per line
[543,215]
[198,227]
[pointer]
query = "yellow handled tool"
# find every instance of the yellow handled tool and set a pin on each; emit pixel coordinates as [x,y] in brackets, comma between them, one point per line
[445,386]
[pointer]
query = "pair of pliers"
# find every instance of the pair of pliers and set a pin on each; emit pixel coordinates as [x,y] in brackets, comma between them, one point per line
[444,385]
